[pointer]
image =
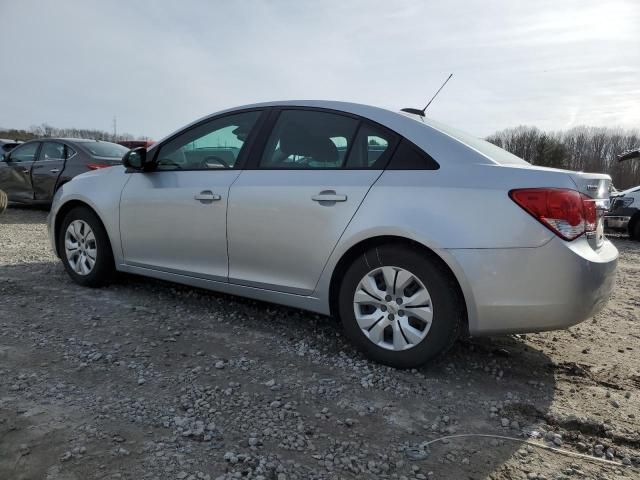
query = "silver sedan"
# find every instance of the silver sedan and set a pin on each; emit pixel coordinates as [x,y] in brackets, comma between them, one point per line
[411,232]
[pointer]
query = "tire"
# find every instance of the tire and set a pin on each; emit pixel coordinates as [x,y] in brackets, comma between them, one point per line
[103,269]
[4,201]
[444,300]
[634,231]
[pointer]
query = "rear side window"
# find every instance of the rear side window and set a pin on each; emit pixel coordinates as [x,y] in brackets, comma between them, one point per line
[52,151]
[371,148]
[307,139]
[409,157]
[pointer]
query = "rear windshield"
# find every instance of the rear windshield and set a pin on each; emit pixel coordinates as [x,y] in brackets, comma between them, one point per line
[487,149]
[105,149]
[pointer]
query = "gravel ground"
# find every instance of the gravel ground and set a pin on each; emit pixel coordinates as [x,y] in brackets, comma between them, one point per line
[152,380]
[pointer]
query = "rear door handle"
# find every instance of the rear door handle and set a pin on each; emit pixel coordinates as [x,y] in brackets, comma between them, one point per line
[25,170]
[54,170]
[207,196]
[329,196]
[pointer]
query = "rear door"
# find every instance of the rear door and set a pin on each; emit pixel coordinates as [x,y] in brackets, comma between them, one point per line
[15,176]
[288,209]
[47,169]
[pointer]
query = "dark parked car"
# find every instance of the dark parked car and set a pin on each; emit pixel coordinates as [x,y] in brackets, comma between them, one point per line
[624,214]
[7,145]
[33,171]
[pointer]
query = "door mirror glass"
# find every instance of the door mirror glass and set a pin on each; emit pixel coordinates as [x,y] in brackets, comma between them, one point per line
[135,159]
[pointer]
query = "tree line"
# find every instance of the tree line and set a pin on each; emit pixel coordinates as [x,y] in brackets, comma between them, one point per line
[47,131]
[589,149]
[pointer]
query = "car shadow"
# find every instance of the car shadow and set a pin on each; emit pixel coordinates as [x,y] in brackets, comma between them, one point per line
[495,386]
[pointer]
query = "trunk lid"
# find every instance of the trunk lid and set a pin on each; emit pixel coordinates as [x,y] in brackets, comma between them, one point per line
[594,185]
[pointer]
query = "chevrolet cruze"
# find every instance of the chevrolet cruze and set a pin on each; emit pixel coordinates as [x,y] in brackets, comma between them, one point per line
[411,232]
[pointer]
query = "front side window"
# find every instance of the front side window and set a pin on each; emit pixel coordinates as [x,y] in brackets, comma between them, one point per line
[212,146]
[305,139]
[24,153]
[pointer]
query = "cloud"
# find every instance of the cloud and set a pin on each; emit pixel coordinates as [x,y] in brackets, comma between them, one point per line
[159,65]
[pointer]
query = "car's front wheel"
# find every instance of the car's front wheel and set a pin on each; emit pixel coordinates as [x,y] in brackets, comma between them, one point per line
[400,306]
[85,249]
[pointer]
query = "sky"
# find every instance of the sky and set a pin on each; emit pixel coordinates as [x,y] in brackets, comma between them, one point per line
[158,65]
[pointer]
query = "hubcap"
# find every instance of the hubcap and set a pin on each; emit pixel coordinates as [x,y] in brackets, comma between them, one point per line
[393,308]
[80,247]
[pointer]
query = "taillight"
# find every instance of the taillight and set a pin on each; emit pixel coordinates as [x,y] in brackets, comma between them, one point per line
[565,212]
[96,166]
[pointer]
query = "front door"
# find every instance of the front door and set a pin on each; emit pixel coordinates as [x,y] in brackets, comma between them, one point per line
[174,218]
[15,173]
[287,213]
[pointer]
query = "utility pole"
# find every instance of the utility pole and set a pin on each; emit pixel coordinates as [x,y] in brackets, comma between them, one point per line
[115,129]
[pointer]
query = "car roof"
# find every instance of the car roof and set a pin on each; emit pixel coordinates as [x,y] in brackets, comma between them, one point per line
[439,140]
[68,140]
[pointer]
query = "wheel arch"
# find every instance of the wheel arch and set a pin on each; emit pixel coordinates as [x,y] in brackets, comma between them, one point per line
[62,213]
[359,248]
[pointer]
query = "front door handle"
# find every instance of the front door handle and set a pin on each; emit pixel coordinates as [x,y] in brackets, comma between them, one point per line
[25,170]
[54,170]
[329,196]
[207,196]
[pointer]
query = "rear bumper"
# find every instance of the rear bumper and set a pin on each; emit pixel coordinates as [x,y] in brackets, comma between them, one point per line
[519,290]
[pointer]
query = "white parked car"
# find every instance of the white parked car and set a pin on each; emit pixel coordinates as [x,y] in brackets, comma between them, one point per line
[410,231]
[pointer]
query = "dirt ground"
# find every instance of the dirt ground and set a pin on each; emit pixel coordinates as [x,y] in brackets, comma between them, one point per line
[151,380]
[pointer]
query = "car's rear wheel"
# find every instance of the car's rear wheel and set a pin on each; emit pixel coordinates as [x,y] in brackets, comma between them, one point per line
[85,249]
[400,306]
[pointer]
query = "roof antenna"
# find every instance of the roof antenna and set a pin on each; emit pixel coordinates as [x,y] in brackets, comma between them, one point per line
[417,111]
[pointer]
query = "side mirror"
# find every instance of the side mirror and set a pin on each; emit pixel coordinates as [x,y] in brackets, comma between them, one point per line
[4,158]
[135,159]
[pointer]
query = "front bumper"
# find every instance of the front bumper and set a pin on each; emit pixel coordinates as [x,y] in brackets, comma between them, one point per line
[616,222]
[520,290]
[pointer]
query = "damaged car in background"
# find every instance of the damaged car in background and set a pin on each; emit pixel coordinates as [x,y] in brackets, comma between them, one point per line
[624,213]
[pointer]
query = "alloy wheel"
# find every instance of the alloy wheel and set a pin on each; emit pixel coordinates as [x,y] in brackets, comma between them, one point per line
[80,247]
[393,308]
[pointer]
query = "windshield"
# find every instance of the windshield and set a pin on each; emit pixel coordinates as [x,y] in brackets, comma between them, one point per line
[105,149]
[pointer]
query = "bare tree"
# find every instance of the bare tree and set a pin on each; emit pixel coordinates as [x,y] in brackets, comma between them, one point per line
[593,149]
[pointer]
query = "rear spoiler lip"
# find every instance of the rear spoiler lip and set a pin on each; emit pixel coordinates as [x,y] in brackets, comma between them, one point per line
[629,155]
